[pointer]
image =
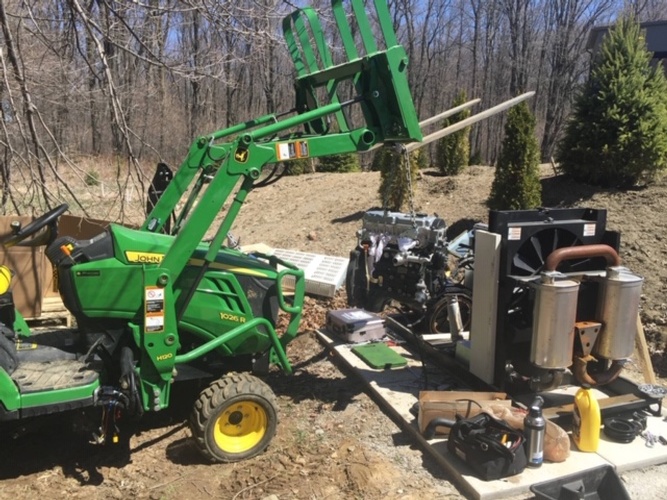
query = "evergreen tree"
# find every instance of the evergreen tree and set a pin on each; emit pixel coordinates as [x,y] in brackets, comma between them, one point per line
[420,159]
[339,163]
[298,167]
[394,185]
[516,184]
[617,135]
[475,158]
[452,152]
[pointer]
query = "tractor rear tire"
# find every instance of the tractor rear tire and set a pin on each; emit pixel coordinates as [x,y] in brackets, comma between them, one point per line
[234,418]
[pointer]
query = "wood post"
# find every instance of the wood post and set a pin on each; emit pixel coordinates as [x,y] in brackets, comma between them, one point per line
[643,354]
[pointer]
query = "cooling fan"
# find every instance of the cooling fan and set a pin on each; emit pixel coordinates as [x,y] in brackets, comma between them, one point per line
[531,256]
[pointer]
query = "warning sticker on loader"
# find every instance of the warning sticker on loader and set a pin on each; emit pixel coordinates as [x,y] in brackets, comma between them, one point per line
[154,309]
[154,324]
[292,150]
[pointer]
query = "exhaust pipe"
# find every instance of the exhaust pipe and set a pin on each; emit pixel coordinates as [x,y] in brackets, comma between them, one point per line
[582,252]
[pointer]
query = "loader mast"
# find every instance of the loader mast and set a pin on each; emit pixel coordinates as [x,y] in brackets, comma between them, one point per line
[371,87]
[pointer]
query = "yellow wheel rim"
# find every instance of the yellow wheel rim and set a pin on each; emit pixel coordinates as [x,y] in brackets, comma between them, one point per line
[240,427]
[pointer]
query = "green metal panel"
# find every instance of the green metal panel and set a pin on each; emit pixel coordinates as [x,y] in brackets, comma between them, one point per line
[108,288]
[365,29]
[222,300]
[9,394]
[159,331]
[20,326]
[345,32]
[133,240]
[229,259]
[57,396]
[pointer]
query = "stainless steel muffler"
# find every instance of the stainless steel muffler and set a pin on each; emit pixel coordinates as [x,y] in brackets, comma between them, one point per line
[554,315]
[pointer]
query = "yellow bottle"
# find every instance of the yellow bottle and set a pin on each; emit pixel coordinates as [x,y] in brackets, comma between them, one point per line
[586,420]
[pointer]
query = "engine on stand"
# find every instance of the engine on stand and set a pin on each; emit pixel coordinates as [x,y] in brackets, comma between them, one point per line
[403,258]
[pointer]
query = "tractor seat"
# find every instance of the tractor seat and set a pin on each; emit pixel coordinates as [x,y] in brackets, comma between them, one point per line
[66,251]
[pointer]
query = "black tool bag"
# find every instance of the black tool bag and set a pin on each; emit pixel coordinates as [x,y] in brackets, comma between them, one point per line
[490,447]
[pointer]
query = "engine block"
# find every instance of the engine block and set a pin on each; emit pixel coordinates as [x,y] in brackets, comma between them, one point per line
[427,231]
[398,256]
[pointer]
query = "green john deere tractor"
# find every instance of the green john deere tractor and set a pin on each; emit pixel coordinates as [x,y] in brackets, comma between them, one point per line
[157,305]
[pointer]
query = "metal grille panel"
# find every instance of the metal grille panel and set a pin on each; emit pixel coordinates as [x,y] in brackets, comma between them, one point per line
[324,273]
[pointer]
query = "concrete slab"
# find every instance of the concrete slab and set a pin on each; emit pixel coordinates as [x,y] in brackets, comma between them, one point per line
[398,391]
[636,455]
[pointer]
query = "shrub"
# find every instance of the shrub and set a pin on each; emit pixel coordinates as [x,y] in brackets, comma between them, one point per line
[394,184]
[475,158]
[298,167]
[516,184]
[617,134]
[452,152]
[92,178]
[339,163]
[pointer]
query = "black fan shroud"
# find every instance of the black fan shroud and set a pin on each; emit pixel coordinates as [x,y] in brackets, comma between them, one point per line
[530,258]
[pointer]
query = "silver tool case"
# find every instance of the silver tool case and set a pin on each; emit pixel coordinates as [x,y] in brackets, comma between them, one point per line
[355,325]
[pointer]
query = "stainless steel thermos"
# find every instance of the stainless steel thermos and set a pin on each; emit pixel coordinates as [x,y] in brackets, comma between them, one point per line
[534,426]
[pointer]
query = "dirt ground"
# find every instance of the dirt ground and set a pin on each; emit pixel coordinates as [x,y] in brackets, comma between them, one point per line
[333,441]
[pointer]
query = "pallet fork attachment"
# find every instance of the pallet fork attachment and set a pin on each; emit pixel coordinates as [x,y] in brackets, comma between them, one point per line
[378,72]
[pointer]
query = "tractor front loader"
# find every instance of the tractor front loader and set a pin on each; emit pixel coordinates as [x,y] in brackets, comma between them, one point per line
[159,305]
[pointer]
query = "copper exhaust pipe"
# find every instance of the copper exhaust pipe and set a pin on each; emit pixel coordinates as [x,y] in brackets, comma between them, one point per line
[582,252]
[580,369]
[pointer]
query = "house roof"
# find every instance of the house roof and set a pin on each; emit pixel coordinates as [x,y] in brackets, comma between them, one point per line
[655,33]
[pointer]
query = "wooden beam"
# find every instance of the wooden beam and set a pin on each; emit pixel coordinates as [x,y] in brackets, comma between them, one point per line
[643,354]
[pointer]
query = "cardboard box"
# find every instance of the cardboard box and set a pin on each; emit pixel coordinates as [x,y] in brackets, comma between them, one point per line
[80,227]
[27,264]
[448,404]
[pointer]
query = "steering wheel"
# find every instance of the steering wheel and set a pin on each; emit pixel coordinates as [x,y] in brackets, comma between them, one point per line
[48,219]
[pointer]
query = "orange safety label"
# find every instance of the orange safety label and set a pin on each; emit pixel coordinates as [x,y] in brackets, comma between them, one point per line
[292,150]
[154,309]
